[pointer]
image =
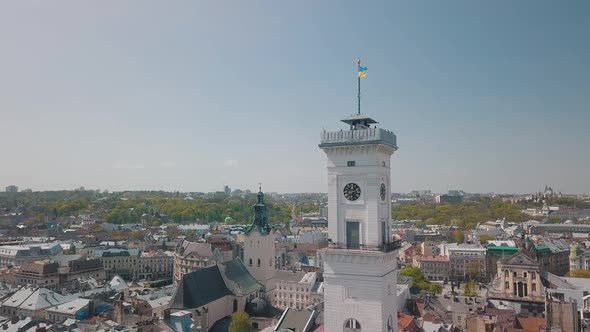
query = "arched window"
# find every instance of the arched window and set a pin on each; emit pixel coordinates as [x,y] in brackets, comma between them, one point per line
[352,325]
[258,261]
[250,261]
[235,305]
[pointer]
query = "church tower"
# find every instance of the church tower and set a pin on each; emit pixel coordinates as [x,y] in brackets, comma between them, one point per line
[259,247]
[360,265]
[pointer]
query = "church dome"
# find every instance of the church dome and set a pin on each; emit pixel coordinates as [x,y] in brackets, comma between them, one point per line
[259,307]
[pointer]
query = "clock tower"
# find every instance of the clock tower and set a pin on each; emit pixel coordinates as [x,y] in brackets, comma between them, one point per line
[360,263]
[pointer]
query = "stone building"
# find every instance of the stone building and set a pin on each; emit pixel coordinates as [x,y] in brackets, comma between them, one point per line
[434,268]
[294,290]
[518,278]
[192,256]
[119,261]
[19,254]
[40,274]
[155,265]
[430,248]
[467,261]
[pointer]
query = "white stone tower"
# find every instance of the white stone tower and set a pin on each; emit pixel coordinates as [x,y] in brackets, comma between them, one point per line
[360,265]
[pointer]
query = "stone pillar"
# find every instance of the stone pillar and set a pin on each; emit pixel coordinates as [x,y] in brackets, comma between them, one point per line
[511,281]
[529,281]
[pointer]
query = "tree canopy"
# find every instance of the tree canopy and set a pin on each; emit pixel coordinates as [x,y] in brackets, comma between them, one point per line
[240,322]
[419,280]
[463,215]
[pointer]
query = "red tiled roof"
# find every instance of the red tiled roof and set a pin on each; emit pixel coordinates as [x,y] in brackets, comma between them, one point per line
[403,321]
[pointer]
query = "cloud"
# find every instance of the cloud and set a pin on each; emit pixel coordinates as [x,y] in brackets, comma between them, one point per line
[129,166]
[230,163]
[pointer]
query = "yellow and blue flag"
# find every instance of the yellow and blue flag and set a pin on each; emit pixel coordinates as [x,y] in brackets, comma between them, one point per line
[362,71]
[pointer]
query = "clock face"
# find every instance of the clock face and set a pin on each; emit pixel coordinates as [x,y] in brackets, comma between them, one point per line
[352,191]
[383,191]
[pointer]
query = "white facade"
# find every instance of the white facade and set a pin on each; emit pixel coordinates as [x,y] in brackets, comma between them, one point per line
[360,263]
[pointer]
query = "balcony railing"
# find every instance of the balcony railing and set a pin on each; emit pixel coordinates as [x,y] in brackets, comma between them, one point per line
[359,136]
[384,247]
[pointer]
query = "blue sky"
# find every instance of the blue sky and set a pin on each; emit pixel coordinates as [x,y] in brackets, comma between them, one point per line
[192,95]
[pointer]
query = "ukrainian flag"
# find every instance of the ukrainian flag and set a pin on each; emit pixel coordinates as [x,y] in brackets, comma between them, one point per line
[362,71]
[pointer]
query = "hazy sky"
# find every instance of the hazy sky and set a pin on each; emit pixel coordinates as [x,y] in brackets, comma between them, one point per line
[192,95]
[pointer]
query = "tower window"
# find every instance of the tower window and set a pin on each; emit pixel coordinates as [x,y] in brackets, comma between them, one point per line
[258,261]
[350,163]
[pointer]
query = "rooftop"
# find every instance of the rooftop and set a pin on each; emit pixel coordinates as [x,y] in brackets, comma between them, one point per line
[70,307]
[432,258]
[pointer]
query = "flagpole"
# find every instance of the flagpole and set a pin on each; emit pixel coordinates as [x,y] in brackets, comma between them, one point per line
[358,64]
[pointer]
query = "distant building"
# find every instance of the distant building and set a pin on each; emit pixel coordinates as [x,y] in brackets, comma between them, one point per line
[191,256]
[579,259]
[518,279]
[554,256]
[155,265]
[75,309]
[32,301]
[467,260]
[494,254]
[447,198]
[40,274]
[119,261]
[434,268]
[20,254]
[12,189]
[294,290]
[430,248]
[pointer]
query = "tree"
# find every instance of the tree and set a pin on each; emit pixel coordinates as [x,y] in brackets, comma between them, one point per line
[580,273]
[240,322]
[472,269]
[485,238]
[459,237]
[436,288]
[554,219]
[470,288]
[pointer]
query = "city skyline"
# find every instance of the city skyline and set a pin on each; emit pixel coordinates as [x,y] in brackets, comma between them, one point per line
[188,97]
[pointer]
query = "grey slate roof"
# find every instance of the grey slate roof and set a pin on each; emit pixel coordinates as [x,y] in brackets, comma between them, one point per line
[199,288]
[237,277]
[295,320]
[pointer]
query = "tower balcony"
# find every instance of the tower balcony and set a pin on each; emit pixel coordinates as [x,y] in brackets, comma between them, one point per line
[358,136]
[384,247]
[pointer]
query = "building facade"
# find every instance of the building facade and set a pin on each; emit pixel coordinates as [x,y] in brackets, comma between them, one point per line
[40,274]
[434,268]
[294,290]
[360,249]
[467,261]
[155,265]
[191,256]
[20,254]
[119,261]
[518,278]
